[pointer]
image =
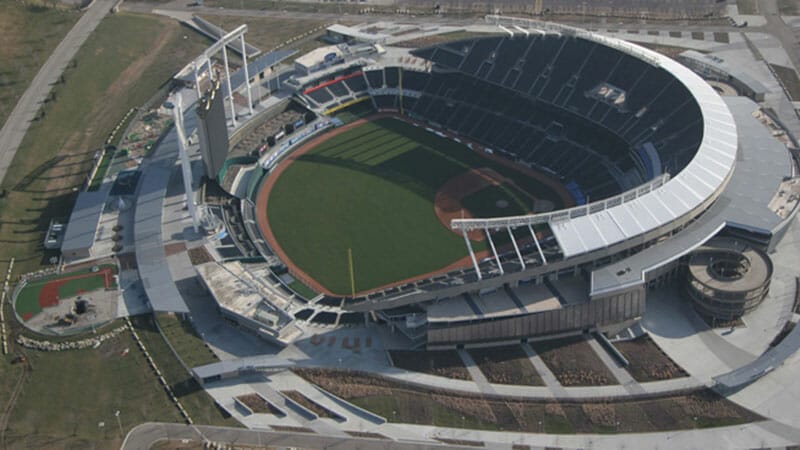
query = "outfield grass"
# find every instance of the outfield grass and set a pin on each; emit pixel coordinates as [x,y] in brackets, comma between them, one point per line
[371,189]
[355,112]
[69,393]
[74,287]
[121,65]
[30,33]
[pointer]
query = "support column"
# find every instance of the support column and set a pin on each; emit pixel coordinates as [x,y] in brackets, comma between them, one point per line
[538,247]
[186,167]
[196,80]
[516,247]
[494,251]
[246,74]
[228,79]
[210,69]
[472,255]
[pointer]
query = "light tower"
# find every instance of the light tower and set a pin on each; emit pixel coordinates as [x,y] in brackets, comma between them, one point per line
[186,166]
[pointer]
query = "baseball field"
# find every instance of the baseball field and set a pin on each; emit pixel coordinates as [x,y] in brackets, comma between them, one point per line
[386,190]
[47,291]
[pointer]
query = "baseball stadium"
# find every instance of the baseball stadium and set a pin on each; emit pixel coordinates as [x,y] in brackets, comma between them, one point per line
[489,189]
[398,224]
[501,232]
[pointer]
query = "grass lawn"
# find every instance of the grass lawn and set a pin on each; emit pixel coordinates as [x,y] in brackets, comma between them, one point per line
[268,33]
[286,6]
[185,340]
[372,189]
[412,407]
[198,403]
[30,33]
[102,169]
[69,393]
[121,65]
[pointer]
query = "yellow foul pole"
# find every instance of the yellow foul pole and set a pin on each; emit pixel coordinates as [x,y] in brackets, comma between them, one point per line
[352,272]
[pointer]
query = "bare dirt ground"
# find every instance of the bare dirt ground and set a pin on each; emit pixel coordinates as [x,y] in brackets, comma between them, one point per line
[573,362]
[174,248]
[447,202]
[103,309]
[647,361]
[506,365]
[402,402]
[312,406]
[259,405]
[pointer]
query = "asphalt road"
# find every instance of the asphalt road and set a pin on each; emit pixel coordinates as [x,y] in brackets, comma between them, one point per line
[28,105]
[145,435]
[447,19]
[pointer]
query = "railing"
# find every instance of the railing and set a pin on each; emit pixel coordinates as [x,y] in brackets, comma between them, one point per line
[617,44]
[270,158]
[394,91]
[563,214]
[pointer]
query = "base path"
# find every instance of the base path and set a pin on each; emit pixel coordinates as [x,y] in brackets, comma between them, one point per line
[29,104]
[486,176]
[447,203]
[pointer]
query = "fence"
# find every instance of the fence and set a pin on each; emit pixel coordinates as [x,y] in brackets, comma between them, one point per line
[2,306]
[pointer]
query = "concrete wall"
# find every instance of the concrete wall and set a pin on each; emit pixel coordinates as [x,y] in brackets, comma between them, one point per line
[597,313]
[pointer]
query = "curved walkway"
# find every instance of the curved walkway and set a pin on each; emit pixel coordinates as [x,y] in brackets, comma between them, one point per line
[527,392]
[29,104]
[754,435]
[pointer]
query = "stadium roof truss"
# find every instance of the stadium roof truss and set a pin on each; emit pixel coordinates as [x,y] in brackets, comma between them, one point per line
[202,65]
[653,205]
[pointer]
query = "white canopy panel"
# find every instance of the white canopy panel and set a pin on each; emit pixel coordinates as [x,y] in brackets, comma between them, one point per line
[703,177]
